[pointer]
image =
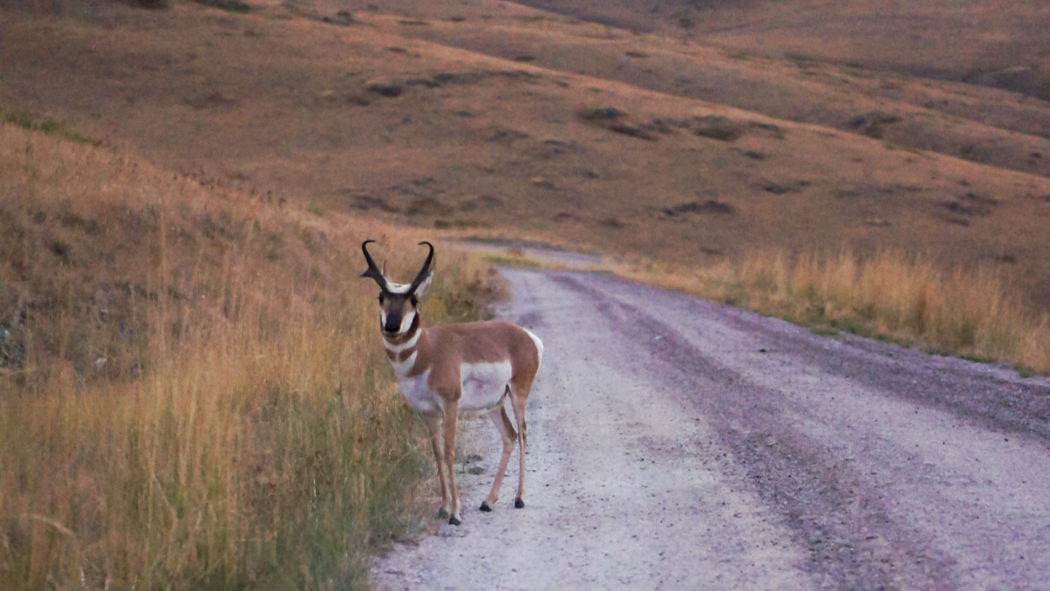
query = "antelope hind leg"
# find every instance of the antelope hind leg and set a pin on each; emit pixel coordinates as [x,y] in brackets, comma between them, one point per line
[518,399]
[506,430]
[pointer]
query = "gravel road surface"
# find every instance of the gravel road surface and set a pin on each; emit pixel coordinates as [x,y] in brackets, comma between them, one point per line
[681,444]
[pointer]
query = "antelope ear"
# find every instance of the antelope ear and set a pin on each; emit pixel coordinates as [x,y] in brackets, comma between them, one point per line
[424,286]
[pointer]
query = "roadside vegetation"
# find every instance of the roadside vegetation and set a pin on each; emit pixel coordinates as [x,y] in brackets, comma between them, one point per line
[891,296]
[192,390]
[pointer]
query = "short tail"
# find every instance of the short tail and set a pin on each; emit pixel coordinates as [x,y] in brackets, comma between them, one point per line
[539,346]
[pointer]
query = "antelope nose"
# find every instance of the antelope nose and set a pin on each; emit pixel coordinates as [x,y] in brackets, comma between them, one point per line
[393,324]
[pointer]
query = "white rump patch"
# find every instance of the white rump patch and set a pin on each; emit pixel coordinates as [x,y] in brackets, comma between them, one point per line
[483,384]
[536,340]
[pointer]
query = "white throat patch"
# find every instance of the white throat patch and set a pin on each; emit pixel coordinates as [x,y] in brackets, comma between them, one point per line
[403,346]
[401,368]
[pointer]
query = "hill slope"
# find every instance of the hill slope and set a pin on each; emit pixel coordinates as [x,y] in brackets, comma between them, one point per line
[362,114]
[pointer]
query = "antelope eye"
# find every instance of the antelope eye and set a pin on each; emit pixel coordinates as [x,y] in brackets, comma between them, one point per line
[415,301]
[381,299]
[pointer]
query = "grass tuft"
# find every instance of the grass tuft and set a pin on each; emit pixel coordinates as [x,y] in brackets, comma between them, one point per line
[27,120]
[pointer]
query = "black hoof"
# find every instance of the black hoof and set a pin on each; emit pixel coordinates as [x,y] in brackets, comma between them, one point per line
[519,504]
[485,506]
[453,521]
[442,514]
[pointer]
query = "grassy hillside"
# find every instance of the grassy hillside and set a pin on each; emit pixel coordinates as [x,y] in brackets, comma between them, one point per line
[192,390]
[978,123]
[991,44]
[360,114]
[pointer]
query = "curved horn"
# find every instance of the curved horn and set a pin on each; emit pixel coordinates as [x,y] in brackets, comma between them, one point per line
[373,271]
[425,271]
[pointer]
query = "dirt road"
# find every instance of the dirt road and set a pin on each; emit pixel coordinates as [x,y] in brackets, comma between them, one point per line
[681,444]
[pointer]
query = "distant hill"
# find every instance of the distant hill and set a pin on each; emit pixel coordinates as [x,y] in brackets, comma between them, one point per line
[498,119]
[996,44]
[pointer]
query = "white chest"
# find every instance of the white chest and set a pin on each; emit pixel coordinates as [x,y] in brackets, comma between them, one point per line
[419,395]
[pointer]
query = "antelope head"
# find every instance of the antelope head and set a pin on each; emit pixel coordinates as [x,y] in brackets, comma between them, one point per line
[398,302]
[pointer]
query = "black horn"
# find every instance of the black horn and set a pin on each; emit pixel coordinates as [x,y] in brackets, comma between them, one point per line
[425,271]
[373,271]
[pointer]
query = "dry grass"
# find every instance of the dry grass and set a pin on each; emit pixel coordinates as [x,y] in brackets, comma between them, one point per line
[892,296]
[192,392]
[291,106]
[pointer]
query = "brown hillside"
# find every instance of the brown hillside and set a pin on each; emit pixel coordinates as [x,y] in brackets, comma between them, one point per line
[974,123]
[361,114]
[997,44]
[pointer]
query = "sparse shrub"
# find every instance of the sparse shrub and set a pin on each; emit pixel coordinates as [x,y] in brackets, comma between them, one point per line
[61,250]
[459,223]
[27,120]
[387,88]
[717,127]
[227,5]
[632,131]
[709,206]
[150,4]
[615,120]
[427,206]
[601,114]
[782,189]
[342,17]
[872,124]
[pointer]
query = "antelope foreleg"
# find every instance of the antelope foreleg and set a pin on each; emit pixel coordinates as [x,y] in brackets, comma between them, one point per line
[434,425]
[451,421]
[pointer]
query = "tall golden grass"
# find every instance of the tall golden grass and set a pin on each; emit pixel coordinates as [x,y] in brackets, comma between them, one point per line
[891,295]
[192,389]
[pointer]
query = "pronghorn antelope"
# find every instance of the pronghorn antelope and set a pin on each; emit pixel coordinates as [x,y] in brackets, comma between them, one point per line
[447,369]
